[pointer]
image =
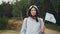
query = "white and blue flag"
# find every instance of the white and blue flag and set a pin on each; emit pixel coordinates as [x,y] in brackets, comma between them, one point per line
[50,17]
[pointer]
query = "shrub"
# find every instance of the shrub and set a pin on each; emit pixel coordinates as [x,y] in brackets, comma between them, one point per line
[3,23]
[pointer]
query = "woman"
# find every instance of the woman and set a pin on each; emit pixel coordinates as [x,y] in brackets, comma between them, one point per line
[33,24]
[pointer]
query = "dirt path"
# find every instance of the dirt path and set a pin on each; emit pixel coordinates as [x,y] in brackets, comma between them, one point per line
[9,32]
[48,31]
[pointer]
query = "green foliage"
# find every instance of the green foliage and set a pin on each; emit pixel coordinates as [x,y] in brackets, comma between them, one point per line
[3,23]
[20,8]
[1,11]
[55,4]
[6,9]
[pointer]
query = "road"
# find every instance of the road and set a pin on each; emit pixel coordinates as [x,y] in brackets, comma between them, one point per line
[48,31]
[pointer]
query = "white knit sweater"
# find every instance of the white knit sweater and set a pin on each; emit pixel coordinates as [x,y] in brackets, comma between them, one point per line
[30,26]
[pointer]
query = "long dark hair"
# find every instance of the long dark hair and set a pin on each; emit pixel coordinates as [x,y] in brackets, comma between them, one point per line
[37,11]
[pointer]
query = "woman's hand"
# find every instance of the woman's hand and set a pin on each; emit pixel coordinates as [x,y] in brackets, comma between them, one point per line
[43,29]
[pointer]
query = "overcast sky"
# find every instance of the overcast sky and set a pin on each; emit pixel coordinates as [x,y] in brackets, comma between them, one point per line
[7,1]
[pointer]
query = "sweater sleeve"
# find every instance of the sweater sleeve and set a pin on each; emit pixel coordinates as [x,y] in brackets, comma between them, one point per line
[42,23]
[24,26]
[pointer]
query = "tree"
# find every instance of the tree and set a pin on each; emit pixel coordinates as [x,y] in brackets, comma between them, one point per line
[1,11]
[5,13]
[20,8]
[7,9]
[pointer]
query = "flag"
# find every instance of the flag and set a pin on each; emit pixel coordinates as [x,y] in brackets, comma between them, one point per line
[50,17]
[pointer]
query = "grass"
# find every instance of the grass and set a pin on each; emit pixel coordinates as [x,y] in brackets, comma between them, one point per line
[52,26]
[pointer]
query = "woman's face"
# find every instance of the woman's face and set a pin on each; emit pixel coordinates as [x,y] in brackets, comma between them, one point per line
[33,11]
